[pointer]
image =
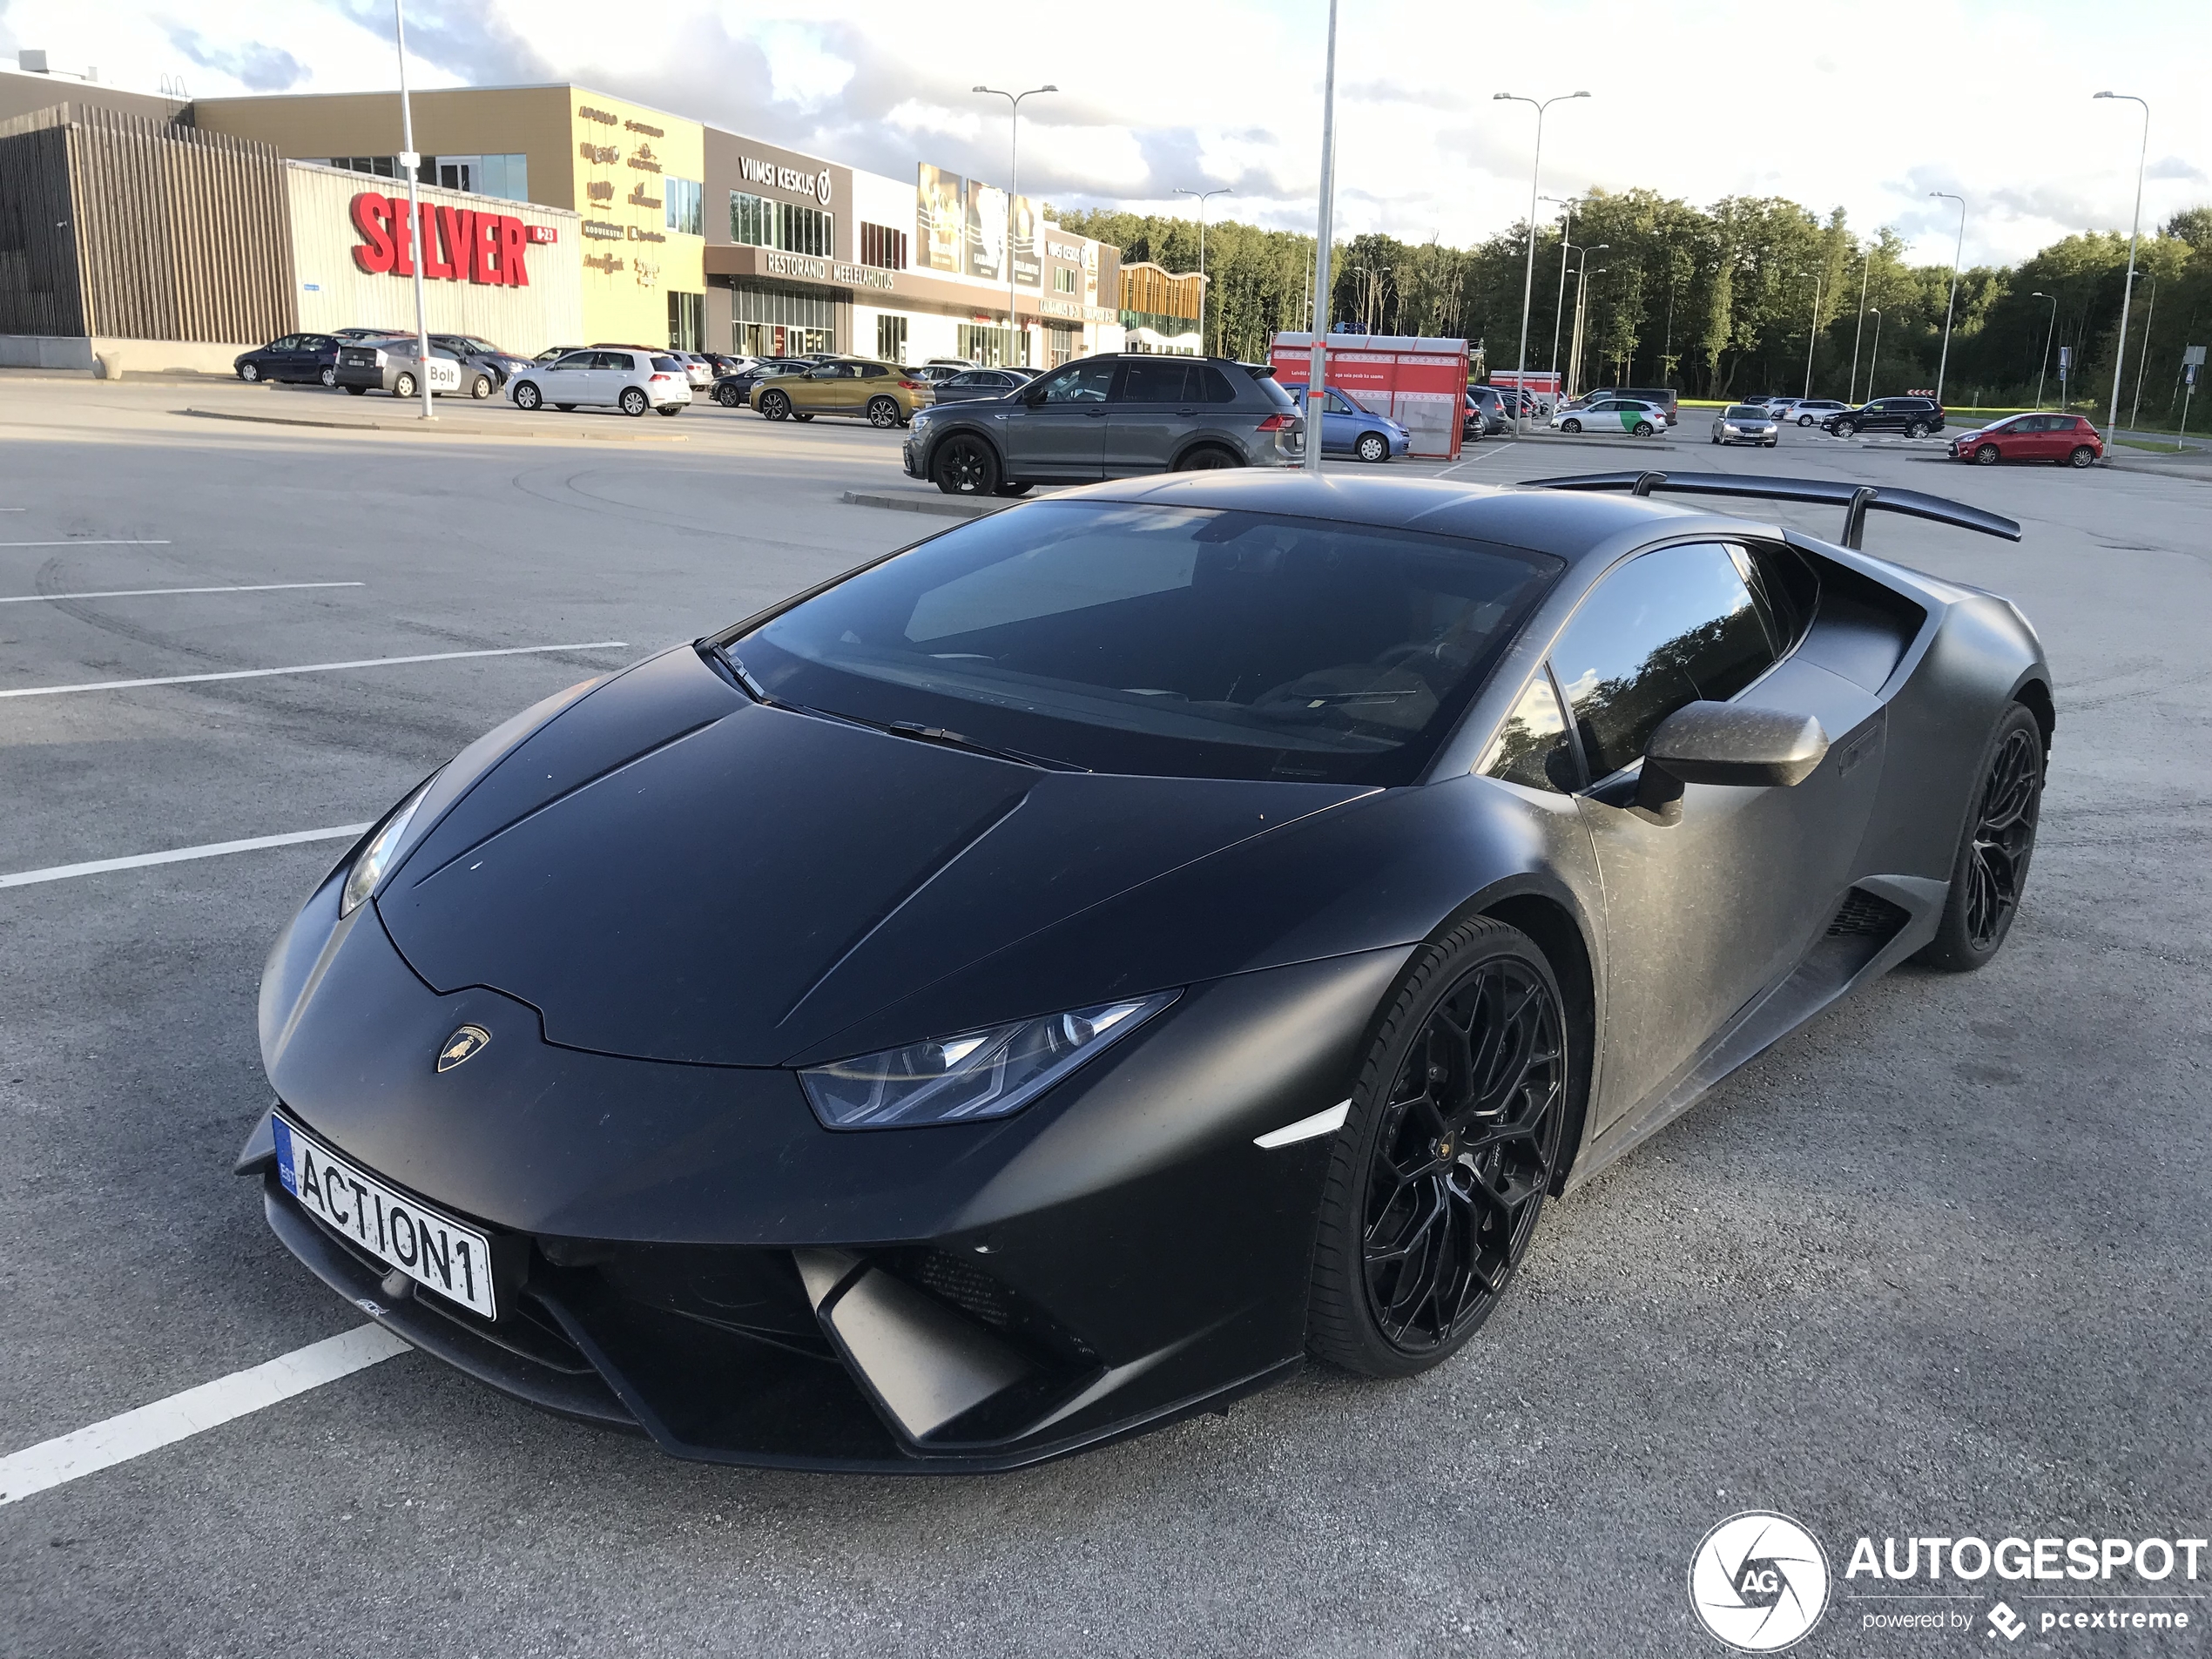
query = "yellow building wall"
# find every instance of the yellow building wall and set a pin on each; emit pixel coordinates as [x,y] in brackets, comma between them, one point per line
[621,155]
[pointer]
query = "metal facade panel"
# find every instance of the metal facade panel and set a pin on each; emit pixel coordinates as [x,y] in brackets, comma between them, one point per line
[41,286]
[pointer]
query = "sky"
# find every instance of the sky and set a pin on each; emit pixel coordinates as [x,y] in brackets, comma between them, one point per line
[1864,105]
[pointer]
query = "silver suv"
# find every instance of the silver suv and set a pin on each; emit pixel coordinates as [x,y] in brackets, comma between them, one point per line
[1108,417]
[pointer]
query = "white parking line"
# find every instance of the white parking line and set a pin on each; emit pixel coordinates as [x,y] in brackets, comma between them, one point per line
[87,542]
[149,1428]
[146,593]
[308,668]
[179,855]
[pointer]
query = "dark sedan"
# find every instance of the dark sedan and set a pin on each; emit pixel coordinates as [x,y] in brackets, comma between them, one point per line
[735,391]
[1051,980]
[971,383]
[301,358]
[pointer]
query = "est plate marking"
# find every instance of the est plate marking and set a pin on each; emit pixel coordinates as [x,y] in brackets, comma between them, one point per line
[430,1249]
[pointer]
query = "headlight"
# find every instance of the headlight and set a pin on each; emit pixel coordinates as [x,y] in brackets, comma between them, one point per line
[991,1073]
[376,858]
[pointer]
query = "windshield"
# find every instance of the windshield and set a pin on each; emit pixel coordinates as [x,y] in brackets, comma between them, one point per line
[1745,411]
[1165,641]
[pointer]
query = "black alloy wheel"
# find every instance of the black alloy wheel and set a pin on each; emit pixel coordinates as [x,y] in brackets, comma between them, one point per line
[1206,460]
[965,466]
[1918,429]
[1373,447]
[1987,456]
[2082,457]
[883,412]
[1439,1176]
[479,387]
[1990,873]
[329,376]
[403,385]
[727,396]
[1570,426]
[633,402]
[527,397]
[249,372]
[776,405]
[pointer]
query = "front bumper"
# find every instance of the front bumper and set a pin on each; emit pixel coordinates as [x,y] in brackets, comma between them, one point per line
[683,1251]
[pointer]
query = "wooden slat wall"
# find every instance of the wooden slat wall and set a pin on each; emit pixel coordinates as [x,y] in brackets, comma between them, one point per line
[41,289]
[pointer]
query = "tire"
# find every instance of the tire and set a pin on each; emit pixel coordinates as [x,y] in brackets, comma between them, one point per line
[329,376]
[1804,420]
[1644,428]
[481,388]
[671,408]
[1570,426]
[1716,438]
[403,385]
[249,372]
[1466,1084]
[1372,447]
[1846,429]
[528,397]
[2083,456]
[1989,873]
[1918,429]
[1010,489]
[1206,459]
[802,415]
[565,409]
[1770,444]
[965,466]
[357,391]
[634,403]
[727,397]
[1988,455]
[776,405]
[883,413]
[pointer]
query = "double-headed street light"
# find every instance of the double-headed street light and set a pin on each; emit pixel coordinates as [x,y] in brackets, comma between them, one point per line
[1566,247]
[1203,196]
[1944,361]
[2119,357]
[1813,332]
[2043,368]
[1015,339]
[1536,174]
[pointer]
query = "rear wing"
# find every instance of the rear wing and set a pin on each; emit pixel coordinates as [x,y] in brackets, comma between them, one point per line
[1855,499]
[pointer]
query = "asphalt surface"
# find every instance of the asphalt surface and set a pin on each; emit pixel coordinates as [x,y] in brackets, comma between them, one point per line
[1937,1264]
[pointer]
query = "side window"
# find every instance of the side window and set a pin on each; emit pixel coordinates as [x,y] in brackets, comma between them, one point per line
[872,371]
[1213,386]
[1669,628]
[1081,383]
[1532,747]
[1163,381]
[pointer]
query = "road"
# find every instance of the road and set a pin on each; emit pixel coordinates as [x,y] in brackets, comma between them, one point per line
[1940,1264]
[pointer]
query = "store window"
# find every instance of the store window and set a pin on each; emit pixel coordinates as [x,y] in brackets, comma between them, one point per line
[989,347]
[686,320]
[755,222]
[883,247]
[767,321]
[890,335]
[683,202]
[1062,340]
[1064,281]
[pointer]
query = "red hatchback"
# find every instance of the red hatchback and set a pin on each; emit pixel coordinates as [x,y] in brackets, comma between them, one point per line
[2067,439]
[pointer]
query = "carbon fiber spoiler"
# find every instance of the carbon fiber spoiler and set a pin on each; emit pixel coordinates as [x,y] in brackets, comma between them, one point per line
[1855,499]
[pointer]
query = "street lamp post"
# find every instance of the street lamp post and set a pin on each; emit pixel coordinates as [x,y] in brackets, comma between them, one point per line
[1574,336]
[1203,196]
[1528,280]
[1015,338]
[1865,267]
[2043,368]
[1944,361]
[2142,356]
[1566,247]
[1875,355]
[1582,275]
[1813,332]
[413,163]
[1317,362]
[2120,356]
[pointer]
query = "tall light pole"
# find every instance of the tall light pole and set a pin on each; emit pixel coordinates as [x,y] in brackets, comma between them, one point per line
[1874,356]
[1317,363]
[1866,268]
[413,163]
[2142,357]
[1812,331]
[2043,368]
[1566,247]
[1535,174]
[1203,196]
[1015,338]
[1944,361]
[2120,356]
[1582,275]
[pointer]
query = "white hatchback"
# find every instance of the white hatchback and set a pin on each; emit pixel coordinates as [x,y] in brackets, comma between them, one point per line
[632,381]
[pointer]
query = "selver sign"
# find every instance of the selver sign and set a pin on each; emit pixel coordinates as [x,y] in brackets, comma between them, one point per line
[458,243]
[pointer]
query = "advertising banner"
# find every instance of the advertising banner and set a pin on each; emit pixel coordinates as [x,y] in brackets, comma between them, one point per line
[940,212]
[1029,269]
[986,230]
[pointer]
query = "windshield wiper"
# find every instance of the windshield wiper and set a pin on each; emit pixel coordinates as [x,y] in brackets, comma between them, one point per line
[937,734]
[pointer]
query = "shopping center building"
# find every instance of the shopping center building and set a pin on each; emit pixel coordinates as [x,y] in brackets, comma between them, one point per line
[639,226]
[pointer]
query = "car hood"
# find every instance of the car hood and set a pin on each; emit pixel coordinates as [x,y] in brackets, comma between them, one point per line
[670,871]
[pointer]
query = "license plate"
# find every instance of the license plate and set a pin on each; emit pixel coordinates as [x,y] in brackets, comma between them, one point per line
[432,1249]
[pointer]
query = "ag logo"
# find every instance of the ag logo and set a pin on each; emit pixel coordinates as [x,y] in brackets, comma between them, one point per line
[1759,1581]
[463,1045]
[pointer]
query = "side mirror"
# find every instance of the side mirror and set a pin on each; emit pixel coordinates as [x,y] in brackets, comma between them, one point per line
[1722,742]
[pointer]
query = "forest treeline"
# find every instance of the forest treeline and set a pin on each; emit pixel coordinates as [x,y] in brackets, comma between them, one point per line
[1720,301]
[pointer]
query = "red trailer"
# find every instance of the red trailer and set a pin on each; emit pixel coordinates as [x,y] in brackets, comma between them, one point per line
[1420,383]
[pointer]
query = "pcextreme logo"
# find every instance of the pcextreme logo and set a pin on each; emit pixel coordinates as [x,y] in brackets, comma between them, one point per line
[1759,1581]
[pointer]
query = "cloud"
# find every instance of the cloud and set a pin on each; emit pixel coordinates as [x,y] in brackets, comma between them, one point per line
[254,66]
[471,42]
[2174,167]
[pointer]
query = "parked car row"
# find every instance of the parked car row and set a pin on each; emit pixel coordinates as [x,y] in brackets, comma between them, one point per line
[362,360]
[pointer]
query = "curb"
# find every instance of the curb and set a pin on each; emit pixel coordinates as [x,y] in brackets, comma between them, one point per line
[419,426]
[942,506]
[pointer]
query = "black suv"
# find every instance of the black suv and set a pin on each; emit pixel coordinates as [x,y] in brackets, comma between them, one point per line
[1916,417]
[1108,417]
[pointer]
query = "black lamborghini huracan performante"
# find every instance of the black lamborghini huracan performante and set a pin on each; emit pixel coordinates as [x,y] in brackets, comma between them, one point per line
[1054,978]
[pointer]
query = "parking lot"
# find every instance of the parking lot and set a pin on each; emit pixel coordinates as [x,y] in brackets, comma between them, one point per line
[1940,1264]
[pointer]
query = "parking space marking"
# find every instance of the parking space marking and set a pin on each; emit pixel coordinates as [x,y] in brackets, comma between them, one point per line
[181,854]
[88,541]
[102,1446]
[308,668]
[148,593]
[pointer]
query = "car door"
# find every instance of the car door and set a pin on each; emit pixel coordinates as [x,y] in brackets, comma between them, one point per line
[1059,429]
[567,379]
[1151,416]
[2043,437]
[1705,913]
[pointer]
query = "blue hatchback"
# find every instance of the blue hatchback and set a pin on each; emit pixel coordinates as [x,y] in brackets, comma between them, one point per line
[1348,429]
